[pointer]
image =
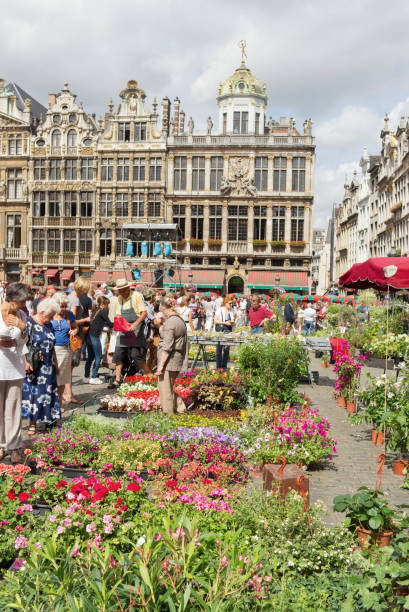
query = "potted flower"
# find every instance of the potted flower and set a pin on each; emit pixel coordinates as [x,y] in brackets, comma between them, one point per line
[369,514]
[379,405]
[278,244]
[298,244]
[347,383]
[259,244]
[196,244]
[325,360]
[398,439]
[214,243]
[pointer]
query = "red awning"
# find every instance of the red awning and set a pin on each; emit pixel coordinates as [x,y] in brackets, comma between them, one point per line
[263,279]
[66,274]
[201,278]
[101,276]
[35,271]
[378,273]
[51,272]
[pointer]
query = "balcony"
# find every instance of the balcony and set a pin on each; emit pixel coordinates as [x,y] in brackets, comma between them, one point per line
[69,259]
[54,221]
[38,221]
[237,247]
[13,254]
[69,221]
[53,258]
[241,139]
[85,259]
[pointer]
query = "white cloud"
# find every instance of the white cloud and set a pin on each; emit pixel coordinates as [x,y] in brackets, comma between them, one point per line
[354,126]
[329,187]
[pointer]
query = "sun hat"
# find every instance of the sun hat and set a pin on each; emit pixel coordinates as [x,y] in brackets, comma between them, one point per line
[122,283]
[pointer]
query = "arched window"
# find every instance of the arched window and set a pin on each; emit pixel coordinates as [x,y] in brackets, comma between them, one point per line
[56,138]
[72,138]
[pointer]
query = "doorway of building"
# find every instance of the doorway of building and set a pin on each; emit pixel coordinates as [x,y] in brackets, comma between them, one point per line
[235,285]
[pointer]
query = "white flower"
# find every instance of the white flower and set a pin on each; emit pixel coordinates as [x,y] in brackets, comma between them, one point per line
[141,541]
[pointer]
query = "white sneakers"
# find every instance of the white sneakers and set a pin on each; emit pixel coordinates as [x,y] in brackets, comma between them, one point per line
[95,381]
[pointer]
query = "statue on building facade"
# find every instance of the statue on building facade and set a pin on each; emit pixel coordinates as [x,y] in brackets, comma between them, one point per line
[238,182]
[209,125]
[133,103]
[190,126]
[270,124]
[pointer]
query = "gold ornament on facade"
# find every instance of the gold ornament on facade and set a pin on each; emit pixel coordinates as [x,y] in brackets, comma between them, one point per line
[87,151]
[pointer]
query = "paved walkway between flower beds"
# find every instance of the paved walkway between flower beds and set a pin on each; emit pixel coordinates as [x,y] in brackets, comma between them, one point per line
[355,464]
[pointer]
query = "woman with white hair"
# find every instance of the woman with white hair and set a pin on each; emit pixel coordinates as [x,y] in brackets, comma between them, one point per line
[40,391]
[65,326]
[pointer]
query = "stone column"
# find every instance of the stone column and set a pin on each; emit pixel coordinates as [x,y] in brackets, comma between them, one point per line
[251,167]
[206,227]
[224,227]
[171,160]
[289,173]
[269,227]
[250,228]
[189,174]
[188,223]
[287,228]
[270,173]
[207,173]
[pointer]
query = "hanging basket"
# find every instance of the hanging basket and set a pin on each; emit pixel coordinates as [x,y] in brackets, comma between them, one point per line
[399,465]
[351,407]
[377,437]
[341,401]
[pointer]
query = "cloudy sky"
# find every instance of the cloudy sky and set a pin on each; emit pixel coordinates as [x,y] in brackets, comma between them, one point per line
[342,63]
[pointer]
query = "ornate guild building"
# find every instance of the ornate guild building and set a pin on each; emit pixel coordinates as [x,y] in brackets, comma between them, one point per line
[234,203]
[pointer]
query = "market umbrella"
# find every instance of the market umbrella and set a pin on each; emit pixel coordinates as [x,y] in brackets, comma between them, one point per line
[286,296]
[380,273]
[307,298]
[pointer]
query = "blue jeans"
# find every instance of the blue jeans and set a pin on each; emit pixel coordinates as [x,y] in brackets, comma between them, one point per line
[308,327]
[257,329]
[94,353]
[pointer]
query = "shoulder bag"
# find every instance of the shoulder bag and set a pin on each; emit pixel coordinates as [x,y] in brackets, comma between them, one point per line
[33,356]
[75,341]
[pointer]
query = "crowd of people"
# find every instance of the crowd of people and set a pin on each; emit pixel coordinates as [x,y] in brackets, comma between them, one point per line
[46,333]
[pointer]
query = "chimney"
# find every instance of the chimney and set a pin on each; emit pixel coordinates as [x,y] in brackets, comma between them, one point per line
[182,122]
[165,114]
[176,116]
[51,100]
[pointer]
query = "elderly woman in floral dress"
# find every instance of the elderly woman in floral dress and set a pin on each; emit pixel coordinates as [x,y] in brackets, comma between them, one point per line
[40,391]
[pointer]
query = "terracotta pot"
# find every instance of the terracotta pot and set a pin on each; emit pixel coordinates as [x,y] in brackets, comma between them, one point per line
[398,466]
[377,437]
[341,401]
[324,364]
[363,535]
[351,407]
[383,539]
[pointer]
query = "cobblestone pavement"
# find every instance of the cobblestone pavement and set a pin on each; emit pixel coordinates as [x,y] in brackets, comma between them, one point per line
[354,466]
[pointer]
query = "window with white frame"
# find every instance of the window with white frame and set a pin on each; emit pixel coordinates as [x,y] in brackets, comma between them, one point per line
[280,174]
[86,241]
[297,223]
[240,122]
[196,221]
[56,138]
[86,203]
[13,231]
[298,182]
[278,223]
[15,184]
[154,204]
[139,169]
[15,145]
[198,173]
[72,138]
[38,241]
[107,169]
[179,173]
[179,217]
[54,241]
[121,204]
[139,131]
[70,204]
[155,168]
[215,221]
[260,173]
[123,169]
[87,169]
[138,204]
[237,223]
[260,222]
[106,204]
[216,172]
[54,203]
[70,169]
[70,241]
[39,169]
[38,203]
[124,132]
[55,169]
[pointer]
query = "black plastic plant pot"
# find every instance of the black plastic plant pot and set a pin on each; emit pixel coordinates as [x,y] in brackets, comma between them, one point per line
[115,414]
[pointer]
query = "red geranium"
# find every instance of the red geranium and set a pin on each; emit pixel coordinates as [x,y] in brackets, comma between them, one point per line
[133,487]
[60,484]
[11,495]
[23,497]
[118,502]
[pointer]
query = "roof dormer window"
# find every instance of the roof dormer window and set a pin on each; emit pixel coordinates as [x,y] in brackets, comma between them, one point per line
[57,118]
[240,122]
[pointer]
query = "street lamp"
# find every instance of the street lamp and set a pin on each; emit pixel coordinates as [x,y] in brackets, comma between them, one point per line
[190,277]
[393,252]
[277,281]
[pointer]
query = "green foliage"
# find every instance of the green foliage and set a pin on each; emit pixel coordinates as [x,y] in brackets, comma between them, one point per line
[368,508]
[273,368]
